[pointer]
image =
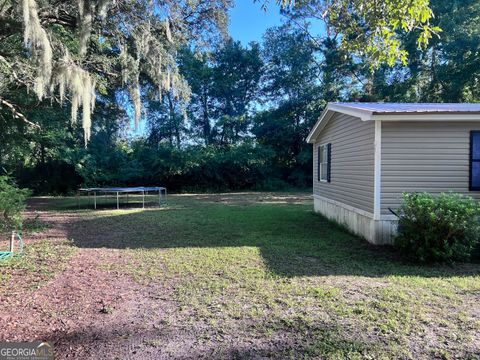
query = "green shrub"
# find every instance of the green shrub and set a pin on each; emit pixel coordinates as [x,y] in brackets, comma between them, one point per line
[440,228]
[12,203]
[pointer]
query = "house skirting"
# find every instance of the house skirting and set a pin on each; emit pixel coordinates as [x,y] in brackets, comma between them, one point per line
[360,222]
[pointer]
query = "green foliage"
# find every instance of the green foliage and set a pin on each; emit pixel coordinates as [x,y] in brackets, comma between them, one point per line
[69,56]
[12,203]
[438,228]
[291,82]
[370,28]
[225,84]
[251,106]
[194,167]
[446,71]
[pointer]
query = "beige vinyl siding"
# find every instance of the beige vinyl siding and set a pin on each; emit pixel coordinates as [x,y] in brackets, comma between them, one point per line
[424,156]
[352,163]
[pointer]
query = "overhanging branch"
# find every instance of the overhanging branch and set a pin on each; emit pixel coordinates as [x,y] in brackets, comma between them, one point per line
[17,114]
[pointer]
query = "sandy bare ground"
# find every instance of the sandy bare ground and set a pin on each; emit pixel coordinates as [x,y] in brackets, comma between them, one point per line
[89,311]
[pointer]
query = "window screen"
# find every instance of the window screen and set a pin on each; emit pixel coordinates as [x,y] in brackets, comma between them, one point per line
[324,156]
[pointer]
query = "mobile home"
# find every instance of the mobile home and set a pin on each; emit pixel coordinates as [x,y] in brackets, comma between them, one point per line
[367,154]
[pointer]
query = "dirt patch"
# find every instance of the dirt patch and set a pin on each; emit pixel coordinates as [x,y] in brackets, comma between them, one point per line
[87,310]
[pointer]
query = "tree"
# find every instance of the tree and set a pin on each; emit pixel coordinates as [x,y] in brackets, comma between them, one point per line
[70,49]
[166,120]
[448,70]
[369,28]
[224,86]
[227,116]
[196,67]
[293,89]
[236,76]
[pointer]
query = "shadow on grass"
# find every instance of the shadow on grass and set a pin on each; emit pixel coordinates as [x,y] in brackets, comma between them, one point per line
[179,342]
[292,240]
[167,340]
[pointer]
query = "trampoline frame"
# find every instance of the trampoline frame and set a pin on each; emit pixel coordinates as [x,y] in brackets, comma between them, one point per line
[123,190]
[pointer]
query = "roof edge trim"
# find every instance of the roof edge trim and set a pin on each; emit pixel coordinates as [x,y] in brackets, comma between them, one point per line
[329,111]
[426,117]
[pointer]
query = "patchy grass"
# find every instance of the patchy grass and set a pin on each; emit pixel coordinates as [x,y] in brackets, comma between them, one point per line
[265,273]
[33,225]
[275,271]
[38,264]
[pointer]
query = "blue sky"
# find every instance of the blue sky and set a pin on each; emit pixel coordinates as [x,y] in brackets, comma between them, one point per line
[248,21]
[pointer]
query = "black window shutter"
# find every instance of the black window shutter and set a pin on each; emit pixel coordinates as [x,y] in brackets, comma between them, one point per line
[474,160]
[329,158]
[318,163]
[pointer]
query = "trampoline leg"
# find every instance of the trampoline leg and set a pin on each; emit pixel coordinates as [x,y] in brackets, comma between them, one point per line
[118,207]
[159,197]
[165,195]
[143,199]
[95,200]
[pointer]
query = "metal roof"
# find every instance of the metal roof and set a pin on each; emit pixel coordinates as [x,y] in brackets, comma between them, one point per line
[404,108]
[398,112]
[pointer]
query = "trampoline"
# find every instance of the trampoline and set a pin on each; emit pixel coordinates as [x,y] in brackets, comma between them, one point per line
[119,191]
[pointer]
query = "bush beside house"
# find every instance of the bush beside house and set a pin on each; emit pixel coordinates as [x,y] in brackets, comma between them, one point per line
[438,228]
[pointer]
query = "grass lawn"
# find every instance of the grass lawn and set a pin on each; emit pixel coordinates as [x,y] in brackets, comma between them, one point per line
[246,276]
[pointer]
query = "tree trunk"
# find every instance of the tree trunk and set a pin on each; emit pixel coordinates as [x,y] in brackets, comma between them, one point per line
[206,119]
[171,118]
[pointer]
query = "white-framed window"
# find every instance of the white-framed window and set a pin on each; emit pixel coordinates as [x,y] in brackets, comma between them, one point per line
[324,157]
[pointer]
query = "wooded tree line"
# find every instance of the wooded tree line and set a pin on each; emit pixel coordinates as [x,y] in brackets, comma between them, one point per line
[235,116]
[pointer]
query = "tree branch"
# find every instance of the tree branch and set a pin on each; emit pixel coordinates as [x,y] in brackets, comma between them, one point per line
[17,114]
